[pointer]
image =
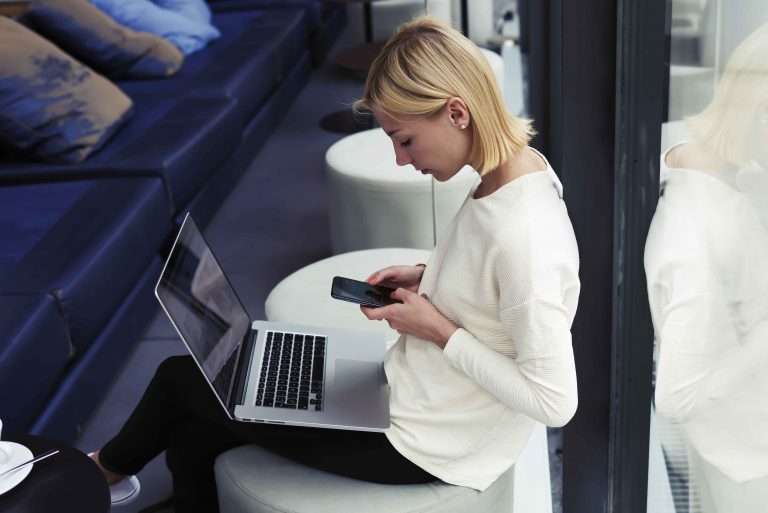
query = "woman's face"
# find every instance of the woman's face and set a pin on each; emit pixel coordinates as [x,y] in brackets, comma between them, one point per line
[435,145]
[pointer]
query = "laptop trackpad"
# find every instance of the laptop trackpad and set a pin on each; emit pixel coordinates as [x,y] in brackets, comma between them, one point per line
[355,381]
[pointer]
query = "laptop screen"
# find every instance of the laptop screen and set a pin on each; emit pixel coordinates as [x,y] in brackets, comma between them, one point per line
[204,307]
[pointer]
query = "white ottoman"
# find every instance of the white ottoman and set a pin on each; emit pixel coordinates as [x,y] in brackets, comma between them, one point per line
[497,66]
[305,296]
[374,203]
[253,480]
[691,88]
[387,15]
[481,19]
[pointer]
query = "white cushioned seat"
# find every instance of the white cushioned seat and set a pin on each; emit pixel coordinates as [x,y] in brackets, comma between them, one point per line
[244,487]
[387,15]
[497,66]
[250,479]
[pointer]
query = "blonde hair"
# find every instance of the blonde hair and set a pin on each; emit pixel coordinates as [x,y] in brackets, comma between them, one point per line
[724,126]
[425,64]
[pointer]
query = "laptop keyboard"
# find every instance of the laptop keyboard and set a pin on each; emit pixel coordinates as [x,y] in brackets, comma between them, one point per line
[292,372]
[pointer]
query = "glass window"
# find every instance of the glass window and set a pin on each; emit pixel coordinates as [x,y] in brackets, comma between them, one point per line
[706,264]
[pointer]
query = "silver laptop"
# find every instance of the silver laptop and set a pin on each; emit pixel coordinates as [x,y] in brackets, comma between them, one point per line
[273,372]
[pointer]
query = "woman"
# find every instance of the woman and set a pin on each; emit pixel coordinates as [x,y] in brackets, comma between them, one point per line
[485,348]
[706,262]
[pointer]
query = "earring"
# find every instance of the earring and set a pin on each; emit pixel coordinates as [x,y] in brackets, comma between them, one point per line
[463,127]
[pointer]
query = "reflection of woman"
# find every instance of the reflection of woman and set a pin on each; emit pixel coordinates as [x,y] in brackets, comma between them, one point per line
[481,360]
[706,263]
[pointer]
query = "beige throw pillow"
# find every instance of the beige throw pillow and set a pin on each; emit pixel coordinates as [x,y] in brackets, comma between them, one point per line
[51,106]
[88,34]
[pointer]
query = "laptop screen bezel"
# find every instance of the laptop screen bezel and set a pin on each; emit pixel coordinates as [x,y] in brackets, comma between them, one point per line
[226,403]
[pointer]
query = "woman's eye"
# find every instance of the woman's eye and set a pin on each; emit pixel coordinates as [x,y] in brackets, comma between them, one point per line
[405,143]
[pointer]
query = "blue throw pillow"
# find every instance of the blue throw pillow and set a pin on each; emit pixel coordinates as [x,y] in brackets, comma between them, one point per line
[143,15]
[195,10]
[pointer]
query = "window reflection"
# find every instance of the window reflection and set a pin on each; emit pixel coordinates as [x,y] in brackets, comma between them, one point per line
[706,262]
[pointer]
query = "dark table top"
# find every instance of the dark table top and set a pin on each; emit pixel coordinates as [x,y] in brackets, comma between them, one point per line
[14,8]
[359,58]
[68,481]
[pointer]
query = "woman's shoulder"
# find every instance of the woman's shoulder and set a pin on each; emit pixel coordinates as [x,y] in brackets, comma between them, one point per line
[692,156]
[543,228]
[531,161]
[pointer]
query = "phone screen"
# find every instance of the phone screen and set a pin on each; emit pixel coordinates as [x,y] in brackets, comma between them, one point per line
[361,292]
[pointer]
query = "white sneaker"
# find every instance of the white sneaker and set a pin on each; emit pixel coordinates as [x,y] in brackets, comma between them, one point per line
[125,491]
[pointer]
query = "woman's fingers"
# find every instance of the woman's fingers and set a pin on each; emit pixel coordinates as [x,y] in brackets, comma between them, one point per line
[380,276]
[376,314]
[401,294]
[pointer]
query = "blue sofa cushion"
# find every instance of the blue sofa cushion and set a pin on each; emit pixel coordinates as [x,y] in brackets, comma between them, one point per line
[185,146]
[94,38]
[313,8]
[51,106]
[92,253]
[143,15]
[181,140]
[26,218]
[34,352]
[249,61]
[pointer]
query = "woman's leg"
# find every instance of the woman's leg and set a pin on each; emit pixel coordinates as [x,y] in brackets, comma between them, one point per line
[177,399]
[356,454]
[190,457]
[180,414]
[177,395]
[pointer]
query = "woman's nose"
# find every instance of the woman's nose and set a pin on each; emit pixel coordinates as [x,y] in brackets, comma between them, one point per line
[402,157]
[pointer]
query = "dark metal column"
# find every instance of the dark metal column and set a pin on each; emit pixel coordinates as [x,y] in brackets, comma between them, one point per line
[641,97]
[582,93]
[585,64]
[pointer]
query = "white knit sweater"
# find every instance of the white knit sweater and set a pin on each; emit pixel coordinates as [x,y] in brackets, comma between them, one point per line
[507,274]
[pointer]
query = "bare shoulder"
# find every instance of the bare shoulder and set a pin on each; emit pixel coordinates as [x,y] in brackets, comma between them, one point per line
[677,156]
[529,161]
[692,156]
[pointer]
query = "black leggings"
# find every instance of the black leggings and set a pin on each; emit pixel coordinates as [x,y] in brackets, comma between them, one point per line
[179,414]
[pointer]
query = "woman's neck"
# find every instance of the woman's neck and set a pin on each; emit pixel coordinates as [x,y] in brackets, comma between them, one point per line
[523,163]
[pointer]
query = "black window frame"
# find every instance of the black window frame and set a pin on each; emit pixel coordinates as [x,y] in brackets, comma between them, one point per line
[598,78]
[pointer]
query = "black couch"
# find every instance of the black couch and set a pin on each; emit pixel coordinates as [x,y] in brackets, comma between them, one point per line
[82,245]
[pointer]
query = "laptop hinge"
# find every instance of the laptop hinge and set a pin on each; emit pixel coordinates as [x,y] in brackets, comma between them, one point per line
[244,360]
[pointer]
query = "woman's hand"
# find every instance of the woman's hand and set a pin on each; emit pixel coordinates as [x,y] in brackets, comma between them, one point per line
[416,316]
[398,276]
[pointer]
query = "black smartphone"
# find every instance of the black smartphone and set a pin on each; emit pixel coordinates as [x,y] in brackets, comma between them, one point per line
[361,292]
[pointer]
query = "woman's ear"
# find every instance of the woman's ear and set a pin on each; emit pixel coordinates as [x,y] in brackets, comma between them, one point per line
[458,113]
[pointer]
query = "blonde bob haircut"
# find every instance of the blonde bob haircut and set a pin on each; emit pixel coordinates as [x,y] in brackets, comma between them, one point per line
[727,124]
[425,64]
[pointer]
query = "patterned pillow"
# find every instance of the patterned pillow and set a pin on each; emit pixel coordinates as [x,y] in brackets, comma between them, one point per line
[91,36]
[51,106]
